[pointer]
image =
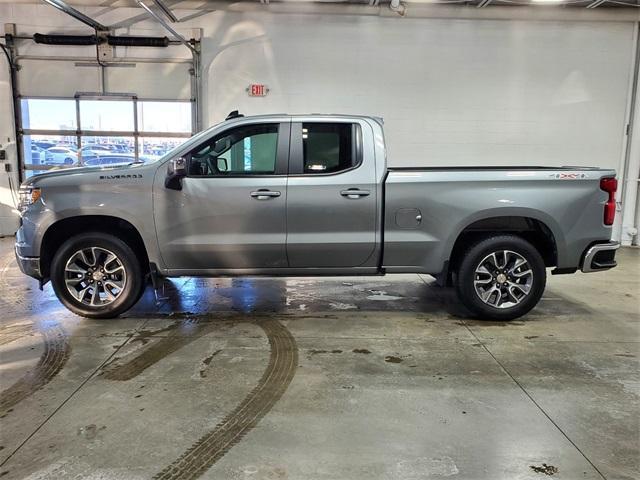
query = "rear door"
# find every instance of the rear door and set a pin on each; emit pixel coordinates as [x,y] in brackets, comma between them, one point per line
[331,197]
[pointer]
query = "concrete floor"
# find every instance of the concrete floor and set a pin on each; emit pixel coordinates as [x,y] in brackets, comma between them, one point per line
[332,378]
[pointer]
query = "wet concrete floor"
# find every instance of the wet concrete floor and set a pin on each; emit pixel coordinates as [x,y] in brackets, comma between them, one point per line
[330,378]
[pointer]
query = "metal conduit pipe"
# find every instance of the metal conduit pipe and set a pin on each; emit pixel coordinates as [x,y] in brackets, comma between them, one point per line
[126,60]
[631,175]
[69,10]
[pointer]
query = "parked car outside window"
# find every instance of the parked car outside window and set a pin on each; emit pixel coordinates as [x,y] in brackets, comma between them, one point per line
[61,156]
[37,154]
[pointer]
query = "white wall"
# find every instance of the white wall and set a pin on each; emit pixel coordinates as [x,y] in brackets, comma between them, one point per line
[451,91]
[8,215]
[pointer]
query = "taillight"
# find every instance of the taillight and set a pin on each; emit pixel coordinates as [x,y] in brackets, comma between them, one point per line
[609,185]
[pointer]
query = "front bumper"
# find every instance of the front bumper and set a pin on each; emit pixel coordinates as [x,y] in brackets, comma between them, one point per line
[600,256]
[29,265]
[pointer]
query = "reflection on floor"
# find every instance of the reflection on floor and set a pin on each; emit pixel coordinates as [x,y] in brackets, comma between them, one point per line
[330,378]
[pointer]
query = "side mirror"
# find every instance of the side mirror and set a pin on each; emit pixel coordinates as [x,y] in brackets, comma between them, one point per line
[176,171]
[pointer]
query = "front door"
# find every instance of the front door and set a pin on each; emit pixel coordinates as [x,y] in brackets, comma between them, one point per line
[331,197]
[231,211]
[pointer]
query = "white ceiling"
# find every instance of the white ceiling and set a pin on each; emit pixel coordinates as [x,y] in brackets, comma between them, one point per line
[208,4]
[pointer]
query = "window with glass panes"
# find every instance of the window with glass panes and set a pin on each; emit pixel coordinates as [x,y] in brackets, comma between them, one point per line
[99,131]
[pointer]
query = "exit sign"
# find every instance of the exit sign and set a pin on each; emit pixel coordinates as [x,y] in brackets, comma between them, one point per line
[257,90]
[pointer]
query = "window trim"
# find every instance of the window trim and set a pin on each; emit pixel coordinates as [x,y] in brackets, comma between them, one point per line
[79,133]
[296,156]
[282,151]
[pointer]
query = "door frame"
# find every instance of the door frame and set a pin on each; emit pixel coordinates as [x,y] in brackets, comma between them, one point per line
[296,171]
[281,168]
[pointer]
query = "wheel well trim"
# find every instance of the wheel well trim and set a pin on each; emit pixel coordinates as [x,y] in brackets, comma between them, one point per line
[47,230]
[547,221]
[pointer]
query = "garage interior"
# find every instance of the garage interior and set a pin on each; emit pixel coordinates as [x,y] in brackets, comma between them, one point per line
[323,378]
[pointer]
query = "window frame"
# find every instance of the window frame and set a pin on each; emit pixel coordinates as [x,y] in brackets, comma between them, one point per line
[296,160]
[80,133]
[282,151]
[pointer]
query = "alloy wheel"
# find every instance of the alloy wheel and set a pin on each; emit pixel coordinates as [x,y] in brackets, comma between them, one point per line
[95,276]
[503,279]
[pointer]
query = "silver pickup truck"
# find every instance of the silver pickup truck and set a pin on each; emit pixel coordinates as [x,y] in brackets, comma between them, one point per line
[308,195]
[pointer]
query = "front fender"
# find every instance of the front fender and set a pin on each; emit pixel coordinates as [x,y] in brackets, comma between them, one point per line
[119,195]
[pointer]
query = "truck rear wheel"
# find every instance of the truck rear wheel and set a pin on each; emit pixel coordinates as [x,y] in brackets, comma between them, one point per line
[96,275]
[501,277]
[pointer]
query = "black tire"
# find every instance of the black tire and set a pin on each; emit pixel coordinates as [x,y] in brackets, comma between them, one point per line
[472,260]
[68,161]
[132,287]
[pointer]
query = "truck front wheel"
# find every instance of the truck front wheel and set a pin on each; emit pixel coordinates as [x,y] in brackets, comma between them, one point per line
[96,275]
[501,277]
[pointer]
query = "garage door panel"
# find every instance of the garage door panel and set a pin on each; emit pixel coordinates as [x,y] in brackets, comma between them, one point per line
[152,80]
[38,78]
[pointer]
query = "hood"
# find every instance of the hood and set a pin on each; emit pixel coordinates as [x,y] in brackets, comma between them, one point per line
[89,172]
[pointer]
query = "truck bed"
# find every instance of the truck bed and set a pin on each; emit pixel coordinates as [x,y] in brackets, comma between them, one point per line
[495,167]
[447,200]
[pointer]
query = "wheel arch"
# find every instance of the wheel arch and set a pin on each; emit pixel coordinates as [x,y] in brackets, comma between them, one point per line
[58,232]
[531,228]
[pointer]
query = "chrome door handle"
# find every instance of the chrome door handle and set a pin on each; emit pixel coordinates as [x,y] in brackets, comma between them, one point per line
[354,193]
[264,194]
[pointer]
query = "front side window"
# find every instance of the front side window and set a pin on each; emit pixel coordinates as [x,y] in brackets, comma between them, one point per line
[246,150]
[328,147]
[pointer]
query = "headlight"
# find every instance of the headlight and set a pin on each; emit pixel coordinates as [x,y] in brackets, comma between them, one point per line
[28,196]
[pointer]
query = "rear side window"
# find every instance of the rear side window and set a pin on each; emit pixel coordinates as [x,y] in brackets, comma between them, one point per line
[329,147]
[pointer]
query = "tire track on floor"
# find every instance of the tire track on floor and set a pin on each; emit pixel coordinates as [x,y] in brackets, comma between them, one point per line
[56,353]
[12,296]
[275,380]
[157,351]
[5,288]
[56,346]
[11,333]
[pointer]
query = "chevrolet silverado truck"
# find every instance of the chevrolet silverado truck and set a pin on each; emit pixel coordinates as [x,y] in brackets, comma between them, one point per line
[305,195]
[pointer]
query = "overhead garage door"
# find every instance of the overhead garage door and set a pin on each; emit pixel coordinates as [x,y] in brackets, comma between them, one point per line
[74,112]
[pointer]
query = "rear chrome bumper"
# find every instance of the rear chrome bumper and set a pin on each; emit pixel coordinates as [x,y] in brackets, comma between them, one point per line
[29,265]
[600,257]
